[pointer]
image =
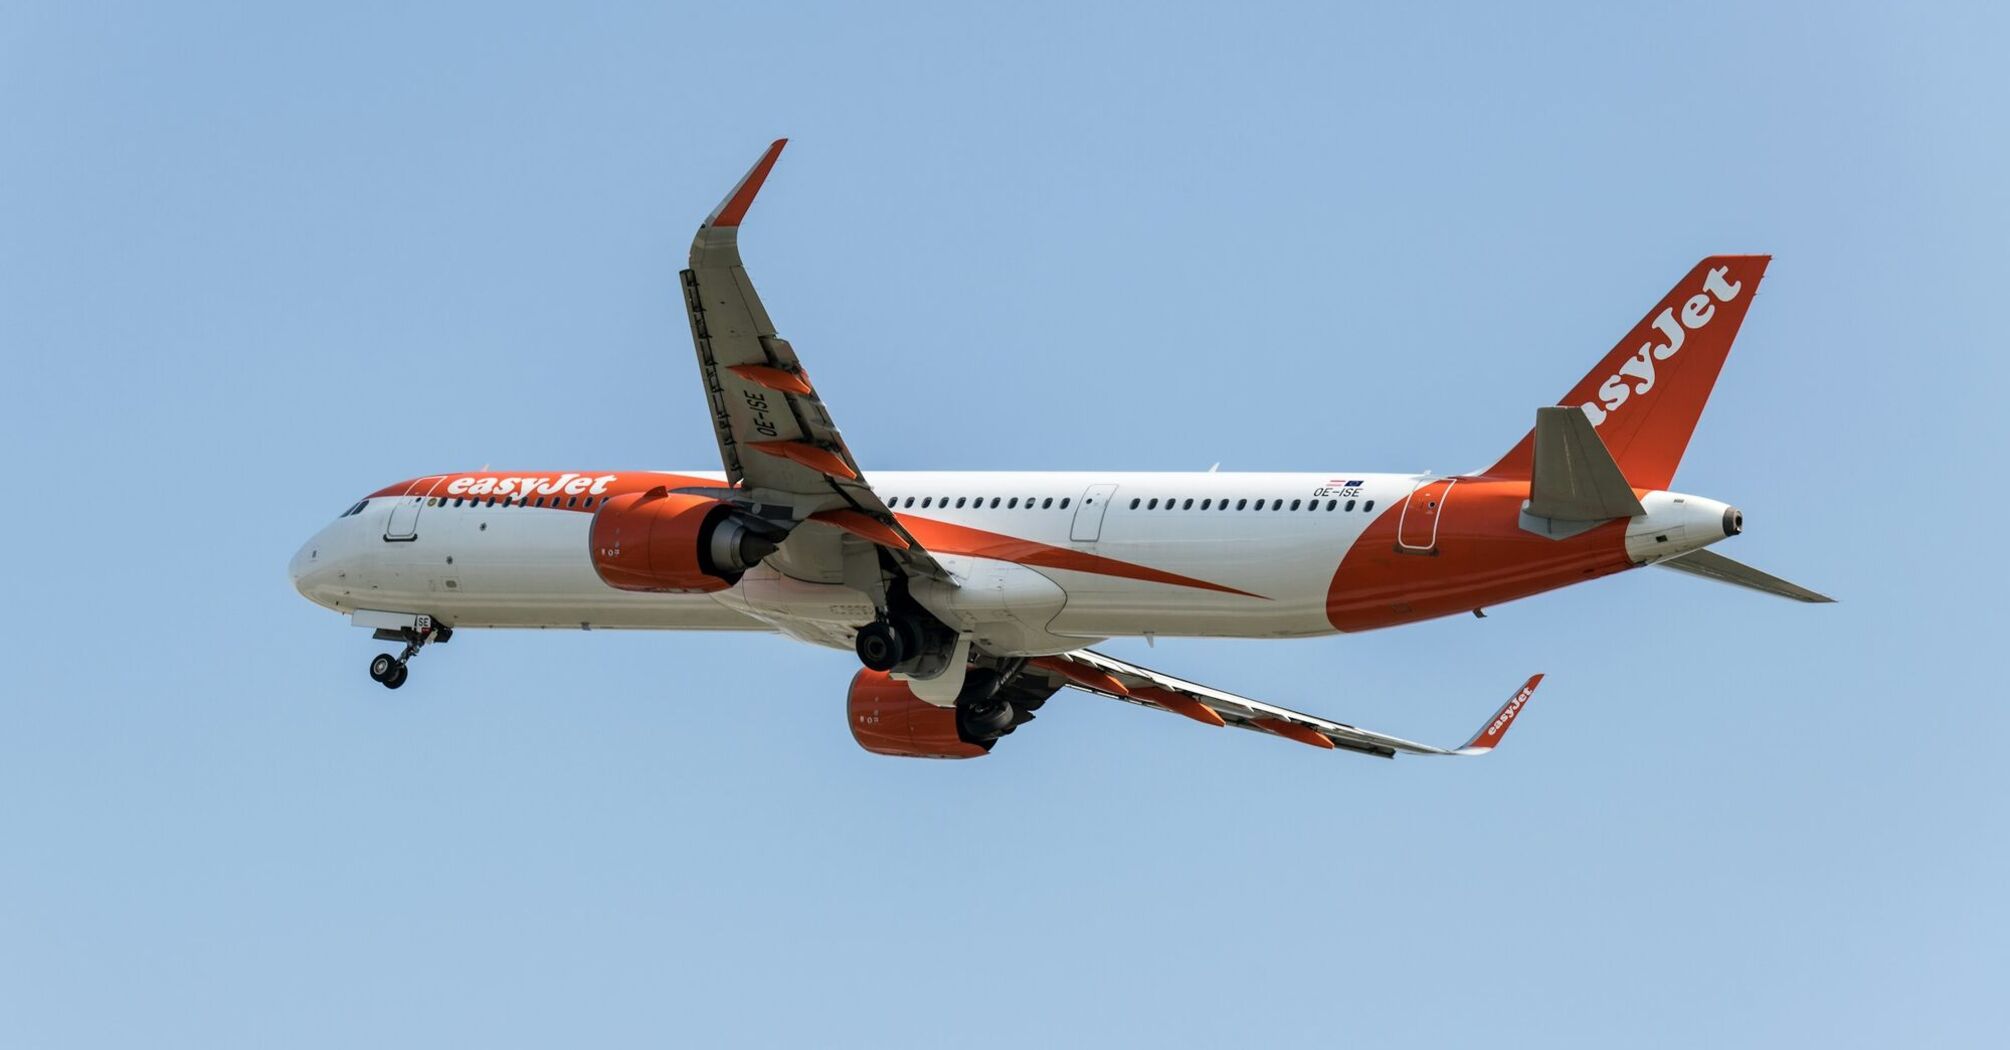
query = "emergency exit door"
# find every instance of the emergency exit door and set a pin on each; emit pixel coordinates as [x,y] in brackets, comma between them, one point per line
[1088,526]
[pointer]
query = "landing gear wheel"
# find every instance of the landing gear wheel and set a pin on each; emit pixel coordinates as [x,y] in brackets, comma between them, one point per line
[383,667]
[985,720]
[880,647]
[397,678]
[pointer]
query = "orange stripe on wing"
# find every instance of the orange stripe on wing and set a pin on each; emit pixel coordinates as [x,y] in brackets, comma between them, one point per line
[942,537]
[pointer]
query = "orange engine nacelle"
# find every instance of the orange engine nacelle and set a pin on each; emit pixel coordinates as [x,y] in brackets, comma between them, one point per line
[887,719]
[670,542]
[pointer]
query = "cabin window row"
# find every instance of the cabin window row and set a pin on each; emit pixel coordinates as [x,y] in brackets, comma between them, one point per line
[1176,503]
[977,502]
[577,502]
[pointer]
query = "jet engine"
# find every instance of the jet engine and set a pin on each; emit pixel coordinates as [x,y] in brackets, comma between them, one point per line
[663,541]
[887,719]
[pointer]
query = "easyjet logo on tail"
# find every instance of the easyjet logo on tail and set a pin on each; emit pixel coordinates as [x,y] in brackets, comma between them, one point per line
[1636,376]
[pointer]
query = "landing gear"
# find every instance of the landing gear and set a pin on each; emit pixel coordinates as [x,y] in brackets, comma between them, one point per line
[879,647]
[982,714]
[883,645]
[390,671]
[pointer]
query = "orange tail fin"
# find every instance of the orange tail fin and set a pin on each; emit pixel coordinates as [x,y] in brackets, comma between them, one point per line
[1647,394]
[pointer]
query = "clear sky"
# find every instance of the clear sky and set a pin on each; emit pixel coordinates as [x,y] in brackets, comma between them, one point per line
[256,262]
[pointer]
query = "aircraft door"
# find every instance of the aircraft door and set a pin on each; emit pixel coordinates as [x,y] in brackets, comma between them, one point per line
[1417,529]
[404,524]
[1088,527]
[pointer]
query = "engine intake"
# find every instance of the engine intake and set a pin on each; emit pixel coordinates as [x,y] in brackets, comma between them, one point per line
[887,719]
[665,542]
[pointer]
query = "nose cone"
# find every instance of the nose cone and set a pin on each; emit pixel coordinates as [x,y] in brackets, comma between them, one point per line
[313,569]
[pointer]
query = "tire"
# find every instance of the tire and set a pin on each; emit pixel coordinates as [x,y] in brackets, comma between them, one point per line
[879,647]
[985,721]
[382,667]
[397,678]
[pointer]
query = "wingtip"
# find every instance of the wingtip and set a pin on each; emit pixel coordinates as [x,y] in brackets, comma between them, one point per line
[733,209]
[1491,734]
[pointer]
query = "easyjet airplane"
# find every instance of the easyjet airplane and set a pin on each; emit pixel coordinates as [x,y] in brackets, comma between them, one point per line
[971,598]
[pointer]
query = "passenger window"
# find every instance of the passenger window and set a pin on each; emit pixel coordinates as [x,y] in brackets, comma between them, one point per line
[1241,504]
[926,500]
[1153,505]
[1012,504]
[1331,503]
[995,501]
[1188,505]
[1064,503]
[959,503]
[1368,506]
[1294,504]
[1350,506]
[1206,504]
[1135,502]
[1047,504]
[1277,504]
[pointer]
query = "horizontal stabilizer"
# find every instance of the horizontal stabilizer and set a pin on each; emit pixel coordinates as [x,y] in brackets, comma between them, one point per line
[1713,566]
[1574,477]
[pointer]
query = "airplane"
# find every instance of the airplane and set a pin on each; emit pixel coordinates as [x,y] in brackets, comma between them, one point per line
[972,598]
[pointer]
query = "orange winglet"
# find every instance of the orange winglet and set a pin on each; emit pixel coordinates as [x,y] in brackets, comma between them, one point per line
[821,460]
[1293,731]
[864,526]
[1179,704]
[734,207]
[1491,733]
[772,378]
[1084,676]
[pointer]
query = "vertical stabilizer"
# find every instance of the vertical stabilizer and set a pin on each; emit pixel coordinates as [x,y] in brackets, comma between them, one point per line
[1644,398]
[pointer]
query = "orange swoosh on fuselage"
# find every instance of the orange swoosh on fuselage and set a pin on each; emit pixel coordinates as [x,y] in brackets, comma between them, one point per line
[941,537]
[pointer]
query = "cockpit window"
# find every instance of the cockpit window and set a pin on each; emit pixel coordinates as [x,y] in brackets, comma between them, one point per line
[355,510]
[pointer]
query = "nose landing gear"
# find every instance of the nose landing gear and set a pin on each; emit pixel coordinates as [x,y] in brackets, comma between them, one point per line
[390,671]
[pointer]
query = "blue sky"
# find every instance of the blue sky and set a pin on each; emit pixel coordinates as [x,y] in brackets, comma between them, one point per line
[255,263]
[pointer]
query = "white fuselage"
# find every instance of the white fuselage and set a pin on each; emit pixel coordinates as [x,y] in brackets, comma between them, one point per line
[1170,554]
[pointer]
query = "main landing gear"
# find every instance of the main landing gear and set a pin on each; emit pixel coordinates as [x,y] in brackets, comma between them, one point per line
[884,645]
[390,671]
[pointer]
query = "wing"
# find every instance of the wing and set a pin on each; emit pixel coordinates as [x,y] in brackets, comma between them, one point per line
[776,437]
[1114,678]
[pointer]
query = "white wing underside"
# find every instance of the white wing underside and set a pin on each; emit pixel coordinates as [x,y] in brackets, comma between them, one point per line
[1117,679]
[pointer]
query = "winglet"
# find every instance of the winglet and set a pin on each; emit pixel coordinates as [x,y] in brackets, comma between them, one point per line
[1489,736]
[734,208]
